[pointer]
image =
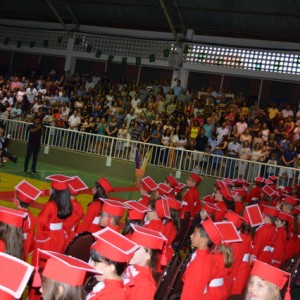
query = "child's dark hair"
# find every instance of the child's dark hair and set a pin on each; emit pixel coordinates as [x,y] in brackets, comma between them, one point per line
[97,257]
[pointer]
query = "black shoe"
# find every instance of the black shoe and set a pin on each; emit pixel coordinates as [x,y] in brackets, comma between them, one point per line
[33,172]
[13,158]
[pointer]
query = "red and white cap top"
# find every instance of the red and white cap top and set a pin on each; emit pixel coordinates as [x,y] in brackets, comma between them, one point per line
[211,208]
[59,182]
[12,216]
[291,200]
[225,191]
[114,246]
[259,180]
[106,185]
[236,219]
[26,192]
[195,177]
[253,215]
[76,185]
[270,273]
[148,184]
[13,277]
[136,210]
[148,238]
[162,208]
[221,232]
[269,191]
[64,268]
[271,210]
[164,189]
[113,207]
[172,181]
[179,187]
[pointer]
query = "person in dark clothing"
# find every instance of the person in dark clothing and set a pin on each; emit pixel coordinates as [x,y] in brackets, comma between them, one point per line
[201,141]
[36,130]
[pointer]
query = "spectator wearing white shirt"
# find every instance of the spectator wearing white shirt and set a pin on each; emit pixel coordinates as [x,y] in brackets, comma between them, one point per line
[287,112]
[31,93]
[8,98]
[135,101]
[221,131]
[241,125]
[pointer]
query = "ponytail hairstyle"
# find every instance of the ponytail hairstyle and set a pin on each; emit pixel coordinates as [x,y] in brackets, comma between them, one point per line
[63,203]
[227,254]
[175,218]
[13,239]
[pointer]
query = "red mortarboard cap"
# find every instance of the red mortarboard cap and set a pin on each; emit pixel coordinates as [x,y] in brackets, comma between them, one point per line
[268,181]
[76,185]
[113,245]
[240,191]
[269,191]
[271,210]
[164,189]
[172,181]
[148,238]
[113,207]
[64,268]
[225,191]
[162,208]
[236,219]
[59,182]
[270,273]
[291,200]
[195,177]
[26,192]
[296,186]
[212,231]
[148,184]
[254,215]
[179,187]
[273,178]
[241,182]
[12,216]
[228,181]
[13,277]
[136,210]
[285,217]
[211,208]
[106,185]
[173,203]
[259,180]
[209,198]
[5,296]
[228,232]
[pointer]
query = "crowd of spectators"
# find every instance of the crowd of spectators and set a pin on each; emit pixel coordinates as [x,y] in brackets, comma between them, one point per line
[224,123]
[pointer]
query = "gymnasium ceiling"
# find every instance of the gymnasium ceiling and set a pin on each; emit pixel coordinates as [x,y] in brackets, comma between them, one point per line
[276,20]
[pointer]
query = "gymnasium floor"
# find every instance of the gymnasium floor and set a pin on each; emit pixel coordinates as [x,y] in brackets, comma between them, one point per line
[11,174]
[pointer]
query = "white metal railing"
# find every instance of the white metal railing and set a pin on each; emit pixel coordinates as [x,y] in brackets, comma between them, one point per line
[177,159]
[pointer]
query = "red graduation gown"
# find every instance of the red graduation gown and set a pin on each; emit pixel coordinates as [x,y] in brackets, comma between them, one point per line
[263,242]
[28,233]
[219,215]
[197,275]
[241,265]
[2,246]
[238,207]
[170,232]
[109,289]
[144,285]
[280,245]
[215,289]
[192,199]
[90,220]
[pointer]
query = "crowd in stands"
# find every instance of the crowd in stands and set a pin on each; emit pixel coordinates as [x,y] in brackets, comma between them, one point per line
[218,122]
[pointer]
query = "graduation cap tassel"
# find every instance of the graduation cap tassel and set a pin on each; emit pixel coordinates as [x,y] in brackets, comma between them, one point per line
[163,260]
[37,281]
